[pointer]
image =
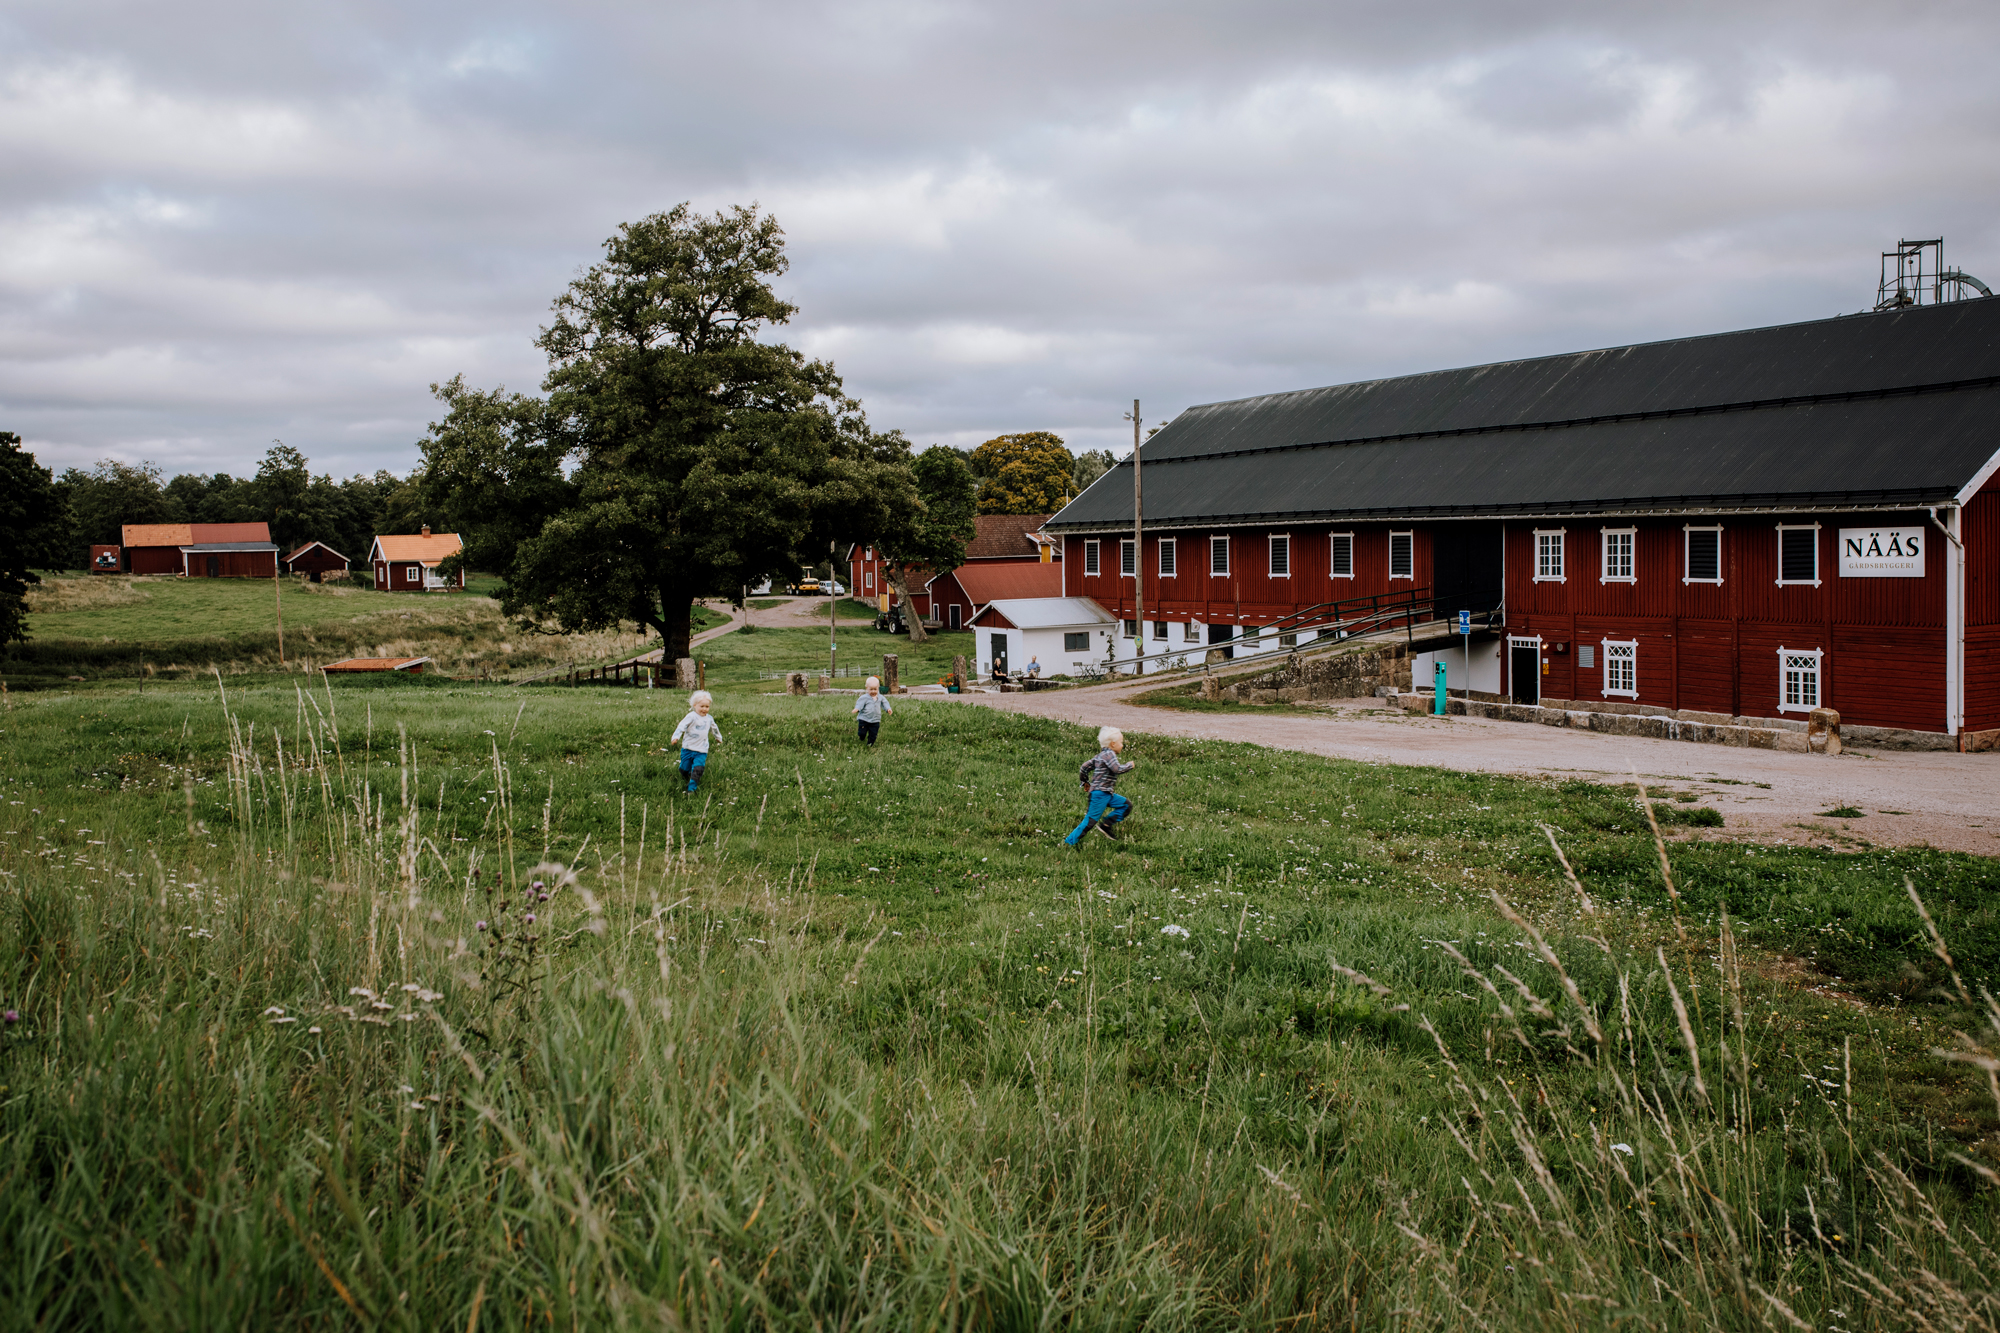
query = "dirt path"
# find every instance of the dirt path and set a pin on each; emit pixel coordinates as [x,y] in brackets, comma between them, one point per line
[1950,801]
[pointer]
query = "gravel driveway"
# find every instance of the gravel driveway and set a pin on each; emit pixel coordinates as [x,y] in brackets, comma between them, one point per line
[1950,801]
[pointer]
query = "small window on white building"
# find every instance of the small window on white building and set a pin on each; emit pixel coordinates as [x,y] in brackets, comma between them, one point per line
[1798,680]
[1402,555]
[1621,667]
[1167,557]
[1704,555]
[1343,555]
[1160,630]
[1131,629]
[1798,554]
[1077,643]
[1281,557]
[1618,555]
[1090,557]
[1128,559]
[1549,555]
[1218,555]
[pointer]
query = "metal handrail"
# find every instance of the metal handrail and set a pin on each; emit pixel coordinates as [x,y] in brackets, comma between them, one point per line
[1379,612]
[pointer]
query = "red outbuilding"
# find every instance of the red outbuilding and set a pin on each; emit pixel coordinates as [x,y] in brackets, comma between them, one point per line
[1749,524]
[960,595]
[998,539]
[316,560]
[408,562]
[201,550]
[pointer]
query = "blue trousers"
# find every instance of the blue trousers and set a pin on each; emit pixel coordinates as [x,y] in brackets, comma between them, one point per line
[692,764]
[1108,806]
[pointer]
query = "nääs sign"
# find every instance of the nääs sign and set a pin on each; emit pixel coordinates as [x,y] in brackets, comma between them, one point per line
[1882,553]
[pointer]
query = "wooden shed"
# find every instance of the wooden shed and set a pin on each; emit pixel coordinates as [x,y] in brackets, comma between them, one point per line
[200,550]
[317,560]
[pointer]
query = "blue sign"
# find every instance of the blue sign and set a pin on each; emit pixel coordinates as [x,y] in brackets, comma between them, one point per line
[1465,622]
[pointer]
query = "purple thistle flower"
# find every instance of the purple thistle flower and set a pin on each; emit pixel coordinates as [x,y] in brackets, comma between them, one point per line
[537,884]
[12,1016]
[542,898]
[479,925]
[529,918]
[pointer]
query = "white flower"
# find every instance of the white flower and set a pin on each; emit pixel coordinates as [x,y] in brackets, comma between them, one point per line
[1174,930]
[1625,1148]
[274,1012]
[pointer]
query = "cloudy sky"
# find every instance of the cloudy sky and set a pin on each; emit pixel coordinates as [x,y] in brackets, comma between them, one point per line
[229,221]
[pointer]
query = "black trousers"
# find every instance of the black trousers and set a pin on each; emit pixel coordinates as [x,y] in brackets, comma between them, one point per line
[869,730]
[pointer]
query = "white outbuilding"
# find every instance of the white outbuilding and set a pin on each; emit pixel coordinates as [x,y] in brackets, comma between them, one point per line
[1067,636]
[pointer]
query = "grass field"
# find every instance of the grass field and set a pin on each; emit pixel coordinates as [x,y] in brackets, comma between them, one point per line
[848,1040]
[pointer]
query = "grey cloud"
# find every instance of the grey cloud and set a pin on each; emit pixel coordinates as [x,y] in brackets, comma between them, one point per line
[233,221]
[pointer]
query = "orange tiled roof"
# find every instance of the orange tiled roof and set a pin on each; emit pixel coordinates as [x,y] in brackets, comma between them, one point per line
[205,533]
[158,534]
[986,583]
[1002,535]
[415,546]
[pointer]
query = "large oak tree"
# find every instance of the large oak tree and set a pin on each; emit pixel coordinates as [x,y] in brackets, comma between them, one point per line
[679,453]
[930,535]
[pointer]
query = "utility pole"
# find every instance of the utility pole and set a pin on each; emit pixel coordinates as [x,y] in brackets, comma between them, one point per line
[832,634]
[1138,555]
[278,591]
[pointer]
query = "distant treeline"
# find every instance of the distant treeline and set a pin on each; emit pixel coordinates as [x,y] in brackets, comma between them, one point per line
[300,507]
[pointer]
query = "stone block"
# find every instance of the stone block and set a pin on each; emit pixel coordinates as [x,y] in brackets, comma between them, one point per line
[1978,742]
[1713,719]
[796,683]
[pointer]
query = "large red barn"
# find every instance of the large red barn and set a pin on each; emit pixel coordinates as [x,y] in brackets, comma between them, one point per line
[1750,524]
[200,550]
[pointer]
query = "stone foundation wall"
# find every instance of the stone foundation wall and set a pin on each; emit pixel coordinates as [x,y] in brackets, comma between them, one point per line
[1361,673]
[1755,733]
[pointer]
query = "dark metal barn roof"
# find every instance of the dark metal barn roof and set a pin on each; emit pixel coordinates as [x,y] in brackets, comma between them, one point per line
[1892,409]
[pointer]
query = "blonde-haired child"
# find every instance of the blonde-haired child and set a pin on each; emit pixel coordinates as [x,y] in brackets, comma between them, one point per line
[1099,774]
[696,731]
[869,706]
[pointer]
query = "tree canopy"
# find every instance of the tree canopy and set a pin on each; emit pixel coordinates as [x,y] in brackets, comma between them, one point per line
[932,533]
[678,454]
[30,529]
[1090,465]
[1027,473]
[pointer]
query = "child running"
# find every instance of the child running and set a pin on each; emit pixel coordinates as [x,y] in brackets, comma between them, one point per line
[1099,774]
[696,731]
[869,706]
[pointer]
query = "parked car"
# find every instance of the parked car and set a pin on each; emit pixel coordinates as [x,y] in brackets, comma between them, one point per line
[805,587]
[834,589]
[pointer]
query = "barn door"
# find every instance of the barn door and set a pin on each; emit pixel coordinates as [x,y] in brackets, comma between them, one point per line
[999,643]
[1465,566]
[215,566]
[1222,634]
[1524,669]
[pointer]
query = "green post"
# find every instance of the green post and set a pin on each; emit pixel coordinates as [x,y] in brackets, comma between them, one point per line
[1438,669]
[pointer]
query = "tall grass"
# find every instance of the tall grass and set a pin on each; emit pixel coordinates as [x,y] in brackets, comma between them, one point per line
[295,1083]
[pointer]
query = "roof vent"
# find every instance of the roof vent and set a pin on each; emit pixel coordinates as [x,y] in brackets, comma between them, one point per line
[1914,274]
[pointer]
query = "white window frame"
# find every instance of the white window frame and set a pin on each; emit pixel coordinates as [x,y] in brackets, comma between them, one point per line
[1093,558]
[1687,542]
[1542,565]
[1817,671]
[1605,555]
[1333,554]
[1620,650]
[1784,582]
[413,573]
[1128,558]
[1169,557]
[1276,542]
[1083,647]
[1159,631]
[1218,545]
[1411,539]
[1129,629]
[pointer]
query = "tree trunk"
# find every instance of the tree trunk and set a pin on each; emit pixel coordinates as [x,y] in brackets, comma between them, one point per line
[899,579]
[677,627]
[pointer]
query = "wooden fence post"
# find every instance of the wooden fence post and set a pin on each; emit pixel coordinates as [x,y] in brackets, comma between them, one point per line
[889,665]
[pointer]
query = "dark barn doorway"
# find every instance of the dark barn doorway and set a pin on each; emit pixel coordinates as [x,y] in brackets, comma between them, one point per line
[1466,563]
[1222,635]
[1524,670]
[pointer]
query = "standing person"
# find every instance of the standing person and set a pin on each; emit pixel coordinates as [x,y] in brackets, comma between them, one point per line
[695,733]
[869,706]
[1099,774]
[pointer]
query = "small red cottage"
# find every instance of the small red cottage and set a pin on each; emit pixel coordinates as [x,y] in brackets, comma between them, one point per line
[408,563]
[961,594]
[317,560]
[998,539]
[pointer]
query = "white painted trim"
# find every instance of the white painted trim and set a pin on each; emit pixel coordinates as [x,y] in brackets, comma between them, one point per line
[1784,582]
[1331,539]
[1604,555]
[1162,545]
[1093,557]
[1123,544]
[1818,655]
[1271,554]
[1604,667]
[1687,530]
[1979,479]
[1562,555]
[1411,537]
[1213,572]
[1954,627]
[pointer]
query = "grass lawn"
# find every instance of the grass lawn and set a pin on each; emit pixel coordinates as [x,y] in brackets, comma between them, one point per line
[848,1039]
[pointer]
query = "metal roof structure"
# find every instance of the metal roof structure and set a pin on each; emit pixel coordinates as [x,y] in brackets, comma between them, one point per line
[1886,410]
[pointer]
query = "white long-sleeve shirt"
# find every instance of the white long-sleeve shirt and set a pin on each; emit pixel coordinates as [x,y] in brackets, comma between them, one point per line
[695,732]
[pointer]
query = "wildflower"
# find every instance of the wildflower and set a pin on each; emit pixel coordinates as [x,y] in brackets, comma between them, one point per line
[11,1016]
[542,897]
[529,918]
[1171,929]
[479,925]
[537,885]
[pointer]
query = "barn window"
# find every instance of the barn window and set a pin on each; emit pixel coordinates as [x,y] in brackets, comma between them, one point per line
[1128,559]
[1586,656]
[1160,630]
[1798,554]
[1621,668]
[1090,557]
[1402,555]
[867,581]
[413,573]
[1281,557]
[1131,629]
[1704,555]
[1798,680]
[1076,643]
[1343,555]
[1218,555]
[1549,555]
[1618,555]
[1167,557]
